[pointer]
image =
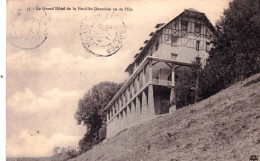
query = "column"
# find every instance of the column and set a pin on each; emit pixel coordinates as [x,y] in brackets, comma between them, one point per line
[173,75]
[113,125]
[132,87]
[116,107]
[107,123]
[146,73]
[108,130]
[137,83]
[123,96]
[124,119]
[119,121]
[150,71]
[108,115]
[112,112]
[113,119]
[138,112]
[144,107]
[111,128]
[126,98]
[128,115]
[119,103]
[128,94]
[151,110]
[172,96]
[117,124]
[144,78]
[133,111]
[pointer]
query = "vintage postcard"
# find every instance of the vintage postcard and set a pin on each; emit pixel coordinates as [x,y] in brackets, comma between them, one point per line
[83,77]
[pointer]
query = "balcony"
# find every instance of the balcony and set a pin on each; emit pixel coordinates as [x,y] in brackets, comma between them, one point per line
[162,82]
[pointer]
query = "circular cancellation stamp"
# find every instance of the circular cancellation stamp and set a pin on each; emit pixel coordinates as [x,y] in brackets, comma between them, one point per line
[27,27]
[102,34]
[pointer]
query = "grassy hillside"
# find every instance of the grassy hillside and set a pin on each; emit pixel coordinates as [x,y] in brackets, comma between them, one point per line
[224,127]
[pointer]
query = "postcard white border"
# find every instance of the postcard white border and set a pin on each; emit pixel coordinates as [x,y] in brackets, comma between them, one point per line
[3,80]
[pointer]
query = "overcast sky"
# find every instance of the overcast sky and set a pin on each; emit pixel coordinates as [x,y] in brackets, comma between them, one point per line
[44,84]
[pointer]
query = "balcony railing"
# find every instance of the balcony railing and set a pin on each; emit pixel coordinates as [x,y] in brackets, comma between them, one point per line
[162,82]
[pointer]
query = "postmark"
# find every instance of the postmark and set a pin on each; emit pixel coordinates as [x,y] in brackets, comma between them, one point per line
[27,26]
[102,34]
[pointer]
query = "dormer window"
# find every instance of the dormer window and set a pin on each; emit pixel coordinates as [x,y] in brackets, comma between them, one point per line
[184,25]
[197,28]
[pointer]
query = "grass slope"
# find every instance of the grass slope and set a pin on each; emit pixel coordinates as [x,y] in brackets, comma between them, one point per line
[223,127]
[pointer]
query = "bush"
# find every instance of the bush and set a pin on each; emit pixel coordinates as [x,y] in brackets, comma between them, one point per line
[63,154]
[185,86]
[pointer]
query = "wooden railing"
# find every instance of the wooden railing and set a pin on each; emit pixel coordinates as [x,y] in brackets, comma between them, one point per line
[162,82]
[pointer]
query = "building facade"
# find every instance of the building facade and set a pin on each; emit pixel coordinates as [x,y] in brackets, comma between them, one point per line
[172,49]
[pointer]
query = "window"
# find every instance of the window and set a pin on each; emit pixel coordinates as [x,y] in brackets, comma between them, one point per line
[184,25]
[191,27]
[174,56]
[197,45]
[207,46]
[166,36]
[174,40]
[197,28]
[167,31]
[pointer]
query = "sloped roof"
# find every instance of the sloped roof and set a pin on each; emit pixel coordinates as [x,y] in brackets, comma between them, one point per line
[193,10]
[202,15]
